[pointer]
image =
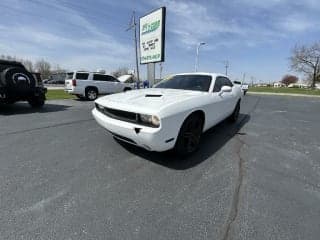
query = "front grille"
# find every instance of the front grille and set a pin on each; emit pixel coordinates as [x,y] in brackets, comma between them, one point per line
[123,115]
[129,140]
[118,114]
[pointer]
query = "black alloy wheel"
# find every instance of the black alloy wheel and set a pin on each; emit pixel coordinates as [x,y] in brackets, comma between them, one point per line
[189,136]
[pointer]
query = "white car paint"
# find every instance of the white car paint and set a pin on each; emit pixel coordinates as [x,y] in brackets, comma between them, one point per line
[172,108]
[76,86]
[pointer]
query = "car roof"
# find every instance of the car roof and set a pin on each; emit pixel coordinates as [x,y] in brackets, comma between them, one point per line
[213,75]
[89,72]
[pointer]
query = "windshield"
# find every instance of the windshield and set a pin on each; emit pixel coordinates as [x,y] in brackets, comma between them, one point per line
[186,82]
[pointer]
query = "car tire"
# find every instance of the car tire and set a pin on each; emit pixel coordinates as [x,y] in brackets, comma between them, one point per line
[37,101]
[235,114]
[127,89]
[91,94]
[80,96]
[189,135]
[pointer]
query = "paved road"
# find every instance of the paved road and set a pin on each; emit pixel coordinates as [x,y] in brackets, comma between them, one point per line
[64,177]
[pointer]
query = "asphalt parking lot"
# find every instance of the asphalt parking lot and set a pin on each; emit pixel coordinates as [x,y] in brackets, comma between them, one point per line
[64,177]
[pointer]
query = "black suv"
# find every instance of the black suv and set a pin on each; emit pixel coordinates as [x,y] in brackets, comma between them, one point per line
[17,84]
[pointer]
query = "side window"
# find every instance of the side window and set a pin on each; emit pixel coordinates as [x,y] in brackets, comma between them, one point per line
[100,77]
[82,76]
[218,84]
[227,82]
[111,79]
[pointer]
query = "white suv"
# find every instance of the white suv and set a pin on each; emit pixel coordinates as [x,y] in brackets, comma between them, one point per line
[90,84]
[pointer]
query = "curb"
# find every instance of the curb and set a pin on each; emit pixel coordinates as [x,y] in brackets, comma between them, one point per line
[284,94]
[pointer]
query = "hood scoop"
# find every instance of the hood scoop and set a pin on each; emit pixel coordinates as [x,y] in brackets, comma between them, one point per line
[153,95]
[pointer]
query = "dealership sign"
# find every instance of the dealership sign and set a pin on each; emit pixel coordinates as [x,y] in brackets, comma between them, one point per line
[152,36]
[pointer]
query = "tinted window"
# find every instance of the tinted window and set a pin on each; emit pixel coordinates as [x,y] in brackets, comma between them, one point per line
[186,82]
[69,75]
[100,77]
[218,84]
[112,79]
[82,76]
[227,82]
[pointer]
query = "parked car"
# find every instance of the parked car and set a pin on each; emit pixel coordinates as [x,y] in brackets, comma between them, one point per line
[18,84]
[45,81]
[55,81]
[129,81]
[245,88]
[90,84]
[173,114]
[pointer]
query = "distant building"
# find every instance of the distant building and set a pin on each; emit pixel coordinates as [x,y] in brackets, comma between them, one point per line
[262,85]
[279,85]
[298,85]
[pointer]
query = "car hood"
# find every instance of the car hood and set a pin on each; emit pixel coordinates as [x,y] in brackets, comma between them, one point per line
[149,101]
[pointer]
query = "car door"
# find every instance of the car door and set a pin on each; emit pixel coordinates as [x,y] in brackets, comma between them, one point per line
[221,102]
[103,83]
[216,105]
[228,97]
[116,85]
[97,80]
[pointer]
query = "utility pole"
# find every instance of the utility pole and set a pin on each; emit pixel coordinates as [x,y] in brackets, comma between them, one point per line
[244,78]
[197,56]
[226,66]
[133,25]
[161,68]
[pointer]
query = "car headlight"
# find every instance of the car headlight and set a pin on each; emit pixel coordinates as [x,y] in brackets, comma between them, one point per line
[150,120]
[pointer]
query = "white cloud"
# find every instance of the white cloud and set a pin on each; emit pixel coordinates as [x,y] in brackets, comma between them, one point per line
[297,23]
[261,3]
[96,47]
[237,22]
[193,22]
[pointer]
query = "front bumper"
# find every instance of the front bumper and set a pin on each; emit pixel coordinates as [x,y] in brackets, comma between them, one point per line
[152,139]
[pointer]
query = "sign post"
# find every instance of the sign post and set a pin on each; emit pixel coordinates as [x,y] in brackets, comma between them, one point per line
[151,72]
[152,40]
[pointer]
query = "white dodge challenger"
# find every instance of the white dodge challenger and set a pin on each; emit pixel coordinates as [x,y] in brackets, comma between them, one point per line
[172,114]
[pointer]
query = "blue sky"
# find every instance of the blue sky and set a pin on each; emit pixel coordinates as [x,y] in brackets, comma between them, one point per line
[255,36]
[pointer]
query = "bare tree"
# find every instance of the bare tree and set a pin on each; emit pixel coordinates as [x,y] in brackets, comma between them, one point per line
[120,71]
[44,68]
[307,60]
[288,79]
[28,65]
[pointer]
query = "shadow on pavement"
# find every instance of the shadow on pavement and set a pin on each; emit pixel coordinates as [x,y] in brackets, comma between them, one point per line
[24,108]
[212,140]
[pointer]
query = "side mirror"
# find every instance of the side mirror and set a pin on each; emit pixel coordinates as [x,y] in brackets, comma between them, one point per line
[225,89]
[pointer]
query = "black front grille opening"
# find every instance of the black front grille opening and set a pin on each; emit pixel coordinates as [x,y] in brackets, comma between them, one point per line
[123,138]
[153,95]
[117,114]
[121,114]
